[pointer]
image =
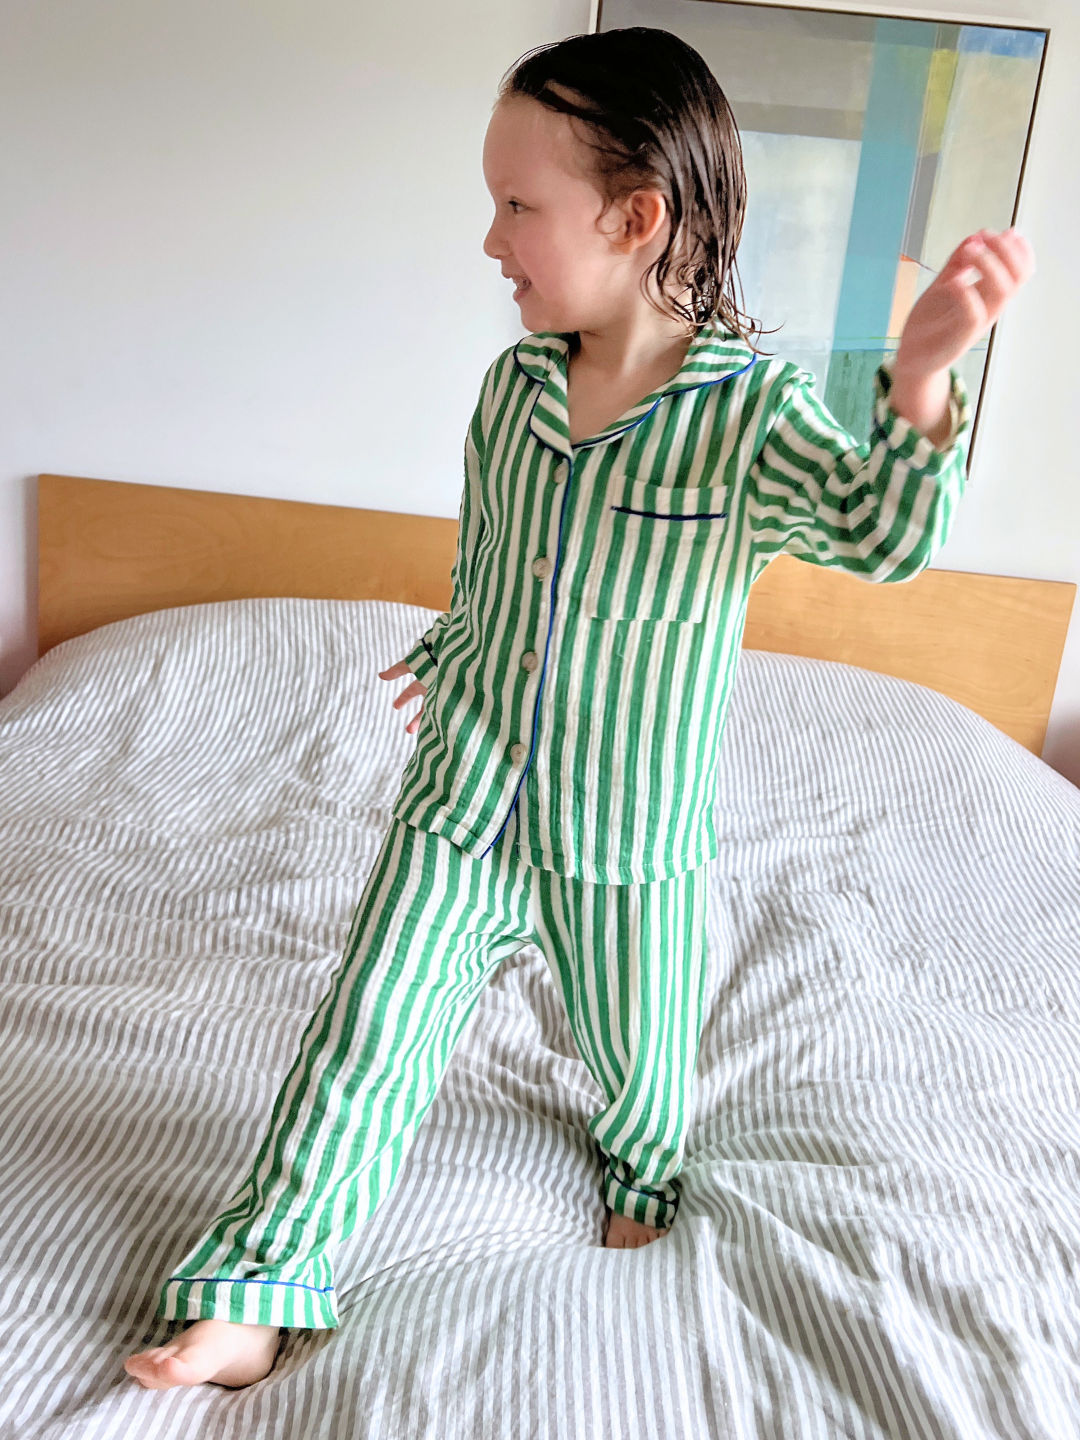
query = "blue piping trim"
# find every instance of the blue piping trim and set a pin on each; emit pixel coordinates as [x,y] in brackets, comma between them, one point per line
[558,552]
[648,1194]
[547,649]
[636,1189]
[614,434]
[219,1280]
[430,651]
[657,515]
[521,367]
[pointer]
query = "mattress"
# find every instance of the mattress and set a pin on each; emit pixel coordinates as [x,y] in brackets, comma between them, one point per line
[879,1233]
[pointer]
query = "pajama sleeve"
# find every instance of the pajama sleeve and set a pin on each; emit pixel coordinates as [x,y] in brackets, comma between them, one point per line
[879,510]
[423,658]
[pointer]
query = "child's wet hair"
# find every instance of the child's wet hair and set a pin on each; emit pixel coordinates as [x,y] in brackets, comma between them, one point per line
[655,118]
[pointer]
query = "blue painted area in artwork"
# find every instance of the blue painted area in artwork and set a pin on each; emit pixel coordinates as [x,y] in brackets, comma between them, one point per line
[994,40]
[903,52]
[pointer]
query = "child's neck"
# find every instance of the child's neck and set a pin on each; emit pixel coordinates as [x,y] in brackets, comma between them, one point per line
[611,369]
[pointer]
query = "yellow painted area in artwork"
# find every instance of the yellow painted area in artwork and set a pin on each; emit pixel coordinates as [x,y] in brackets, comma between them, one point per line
[939,87]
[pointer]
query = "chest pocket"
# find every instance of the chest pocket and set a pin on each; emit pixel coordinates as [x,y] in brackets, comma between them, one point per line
[656,551]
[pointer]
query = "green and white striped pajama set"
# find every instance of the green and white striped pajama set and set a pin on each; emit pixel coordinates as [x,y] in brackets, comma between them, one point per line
[561,787]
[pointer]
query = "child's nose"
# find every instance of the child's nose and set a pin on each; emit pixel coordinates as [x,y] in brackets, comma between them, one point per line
[493,246]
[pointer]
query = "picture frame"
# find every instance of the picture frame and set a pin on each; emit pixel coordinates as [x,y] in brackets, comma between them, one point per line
[873,143]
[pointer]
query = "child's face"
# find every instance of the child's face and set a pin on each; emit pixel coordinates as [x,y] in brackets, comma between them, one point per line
[574,270]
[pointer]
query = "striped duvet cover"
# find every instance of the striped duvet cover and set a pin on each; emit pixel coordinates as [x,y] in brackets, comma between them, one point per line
[880,1227]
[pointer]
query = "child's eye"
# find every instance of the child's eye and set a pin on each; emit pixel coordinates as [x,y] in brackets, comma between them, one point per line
[515,205]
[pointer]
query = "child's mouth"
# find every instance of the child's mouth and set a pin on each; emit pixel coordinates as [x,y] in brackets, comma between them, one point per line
[521,286]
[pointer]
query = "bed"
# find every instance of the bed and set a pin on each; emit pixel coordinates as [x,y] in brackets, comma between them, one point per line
[880,1220]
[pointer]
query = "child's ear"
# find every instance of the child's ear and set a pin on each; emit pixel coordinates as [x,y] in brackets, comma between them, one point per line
[644,215]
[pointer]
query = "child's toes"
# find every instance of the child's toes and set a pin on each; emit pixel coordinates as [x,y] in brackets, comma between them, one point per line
[146,1369]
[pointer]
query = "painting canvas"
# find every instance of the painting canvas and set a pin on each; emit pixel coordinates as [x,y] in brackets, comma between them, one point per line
[873,146]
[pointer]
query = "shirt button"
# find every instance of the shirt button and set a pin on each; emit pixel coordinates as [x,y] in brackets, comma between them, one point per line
[518,753]
[530,660]
[561,476]
[542,568]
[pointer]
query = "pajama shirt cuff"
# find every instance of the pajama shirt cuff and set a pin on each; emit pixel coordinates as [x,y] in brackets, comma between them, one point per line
[902,436]
[250,1302]
[421,661]
[653,1205]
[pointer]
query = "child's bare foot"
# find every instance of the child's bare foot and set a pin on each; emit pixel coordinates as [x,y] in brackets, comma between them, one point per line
[624,1234]
[210,1350]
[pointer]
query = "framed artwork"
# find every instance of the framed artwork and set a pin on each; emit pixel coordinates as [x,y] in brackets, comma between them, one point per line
[873,145]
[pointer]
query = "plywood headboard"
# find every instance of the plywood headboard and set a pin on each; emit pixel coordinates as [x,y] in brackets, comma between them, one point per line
[109,551]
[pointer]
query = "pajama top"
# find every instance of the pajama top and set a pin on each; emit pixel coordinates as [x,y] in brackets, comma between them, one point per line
[579,681]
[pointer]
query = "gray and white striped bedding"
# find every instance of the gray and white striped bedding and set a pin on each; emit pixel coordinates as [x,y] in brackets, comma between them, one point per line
[880,1226]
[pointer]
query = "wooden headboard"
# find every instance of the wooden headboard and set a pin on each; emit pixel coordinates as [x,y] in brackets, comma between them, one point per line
[109,551]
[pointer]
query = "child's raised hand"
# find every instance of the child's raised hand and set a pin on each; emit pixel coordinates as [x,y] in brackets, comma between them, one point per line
[980,277]
[411,692]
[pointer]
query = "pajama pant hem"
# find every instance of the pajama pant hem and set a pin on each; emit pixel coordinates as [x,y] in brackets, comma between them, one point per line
[250,1302]
[646,1207]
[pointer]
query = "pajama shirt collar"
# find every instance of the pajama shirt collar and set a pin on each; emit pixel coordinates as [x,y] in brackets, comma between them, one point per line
[714,355]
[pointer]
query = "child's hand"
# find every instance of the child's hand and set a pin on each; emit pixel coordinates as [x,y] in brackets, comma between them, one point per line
[980,277]
[409,693]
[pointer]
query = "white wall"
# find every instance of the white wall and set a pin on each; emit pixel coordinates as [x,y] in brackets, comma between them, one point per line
[240,249]
[226,227]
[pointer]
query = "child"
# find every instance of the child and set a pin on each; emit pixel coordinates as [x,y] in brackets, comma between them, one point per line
[632,466]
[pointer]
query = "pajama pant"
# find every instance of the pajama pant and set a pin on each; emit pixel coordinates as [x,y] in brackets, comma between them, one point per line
[432,926]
